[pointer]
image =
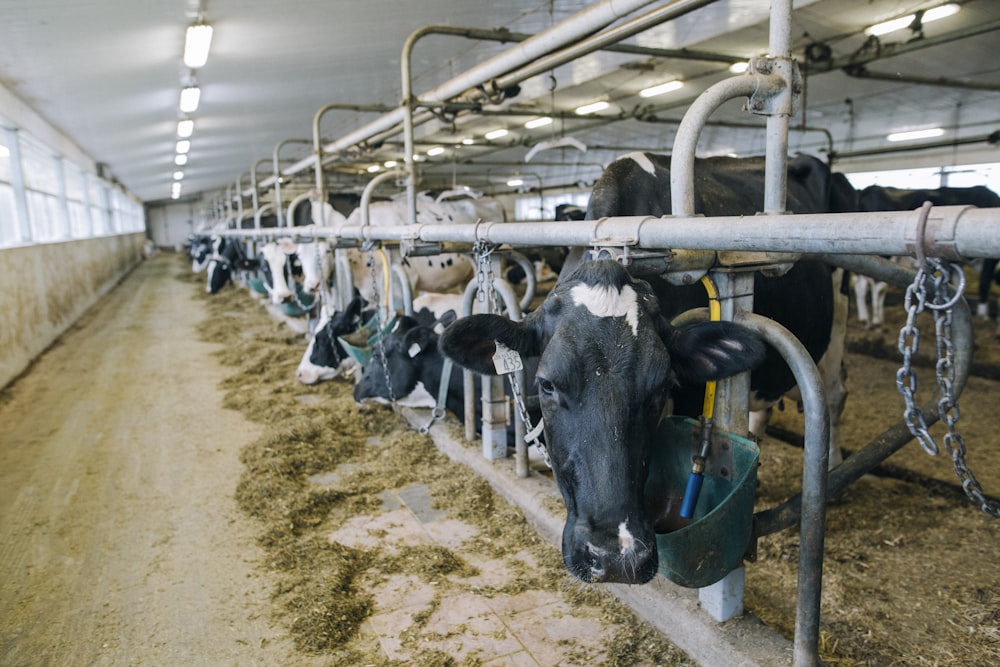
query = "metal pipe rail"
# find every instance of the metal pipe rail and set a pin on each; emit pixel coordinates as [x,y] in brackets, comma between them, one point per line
[955,233]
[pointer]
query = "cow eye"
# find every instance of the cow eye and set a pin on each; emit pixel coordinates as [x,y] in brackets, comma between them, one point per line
[545,386]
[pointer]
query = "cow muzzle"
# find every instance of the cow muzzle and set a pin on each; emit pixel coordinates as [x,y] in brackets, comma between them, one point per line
[604,556]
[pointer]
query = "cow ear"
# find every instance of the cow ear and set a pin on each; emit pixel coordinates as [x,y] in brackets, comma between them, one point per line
[418,340]
[471,341]
[707,351]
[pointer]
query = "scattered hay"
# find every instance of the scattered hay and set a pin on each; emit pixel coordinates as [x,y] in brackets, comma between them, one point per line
[359,454]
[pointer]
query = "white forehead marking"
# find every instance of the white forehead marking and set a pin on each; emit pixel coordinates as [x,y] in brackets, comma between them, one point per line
[608,301]
[625,539]
[640,159]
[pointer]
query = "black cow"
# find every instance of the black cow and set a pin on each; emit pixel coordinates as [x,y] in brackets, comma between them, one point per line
[609,358]
[878,198]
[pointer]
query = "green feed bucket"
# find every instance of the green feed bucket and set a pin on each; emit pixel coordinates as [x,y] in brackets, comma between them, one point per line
[302,306]
[703,550]
[359,343]
[257,285]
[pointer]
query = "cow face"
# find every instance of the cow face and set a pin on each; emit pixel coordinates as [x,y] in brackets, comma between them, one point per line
[278,261]
[316,259]
[608,362]
[325,358]
[219,269]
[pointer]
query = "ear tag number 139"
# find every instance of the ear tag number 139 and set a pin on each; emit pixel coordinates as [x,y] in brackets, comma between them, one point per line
[506,360]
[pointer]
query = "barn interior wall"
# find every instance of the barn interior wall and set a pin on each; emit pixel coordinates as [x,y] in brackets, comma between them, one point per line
[170,225]
[48,286]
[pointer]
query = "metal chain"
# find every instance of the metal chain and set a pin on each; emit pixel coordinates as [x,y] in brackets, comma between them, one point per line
[369,246]
[938,273]
[487,293]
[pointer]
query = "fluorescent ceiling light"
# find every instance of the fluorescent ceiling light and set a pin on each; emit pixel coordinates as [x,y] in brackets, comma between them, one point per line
[183,146]
[538,122]
[929,133]
[196,42]
[495,134]
[180,160]
[437,150]
[190,96]
[515,182]
[389,164]
[373,168]
[178,175]
[594,107]
[468,141]
[175,190]
[893,25]
[739,68]
[185,128]
[661,89]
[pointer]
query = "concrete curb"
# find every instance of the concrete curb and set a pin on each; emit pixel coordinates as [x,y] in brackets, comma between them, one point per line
[671,609]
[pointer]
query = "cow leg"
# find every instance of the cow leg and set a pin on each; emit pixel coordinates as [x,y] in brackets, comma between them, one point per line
[985,281]
[861,298]
[879,289]
[833,371]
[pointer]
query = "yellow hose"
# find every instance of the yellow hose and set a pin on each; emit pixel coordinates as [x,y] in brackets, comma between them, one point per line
[385,276]
[714,314]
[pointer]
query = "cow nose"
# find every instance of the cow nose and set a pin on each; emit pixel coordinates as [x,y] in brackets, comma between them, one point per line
[624,559]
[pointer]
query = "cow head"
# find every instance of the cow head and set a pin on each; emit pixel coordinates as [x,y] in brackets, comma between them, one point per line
[275,260]
[219,269]
[409,362]
[317,264]
[325,358]
[608,362]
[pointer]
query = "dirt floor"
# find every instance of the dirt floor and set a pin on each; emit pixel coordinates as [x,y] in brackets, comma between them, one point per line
[226,538]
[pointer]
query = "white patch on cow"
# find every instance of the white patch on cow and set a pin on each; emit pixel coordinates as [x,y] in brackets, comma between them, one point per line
[608,301]
[625,539]
[414,350]
[642,160]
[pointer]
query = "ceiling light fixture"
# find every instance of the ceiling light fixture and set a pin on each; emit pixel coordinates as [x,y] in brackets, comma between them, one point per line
[495,134]
[932,14]
[593,107]
[389,164]
[739,68]
[468,141]
[517,181]
[185,128]
[178,175]
[538,122]
[183,146]
[175,190]
[929,133]
[197,40]
[437,150]
[667,87]
[180,160]
[190,97]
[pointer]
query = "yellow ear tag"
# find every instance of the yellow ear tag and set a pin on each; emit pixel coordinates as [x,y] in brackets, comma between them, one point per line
[506,360]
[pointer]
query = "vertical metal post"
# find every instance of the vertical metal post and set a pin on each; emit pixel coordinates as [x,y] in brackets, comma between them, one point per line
[494,399]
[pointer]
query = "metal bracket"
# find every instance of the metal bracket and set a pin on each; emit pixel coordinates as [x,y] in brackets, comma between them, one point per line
[785,99]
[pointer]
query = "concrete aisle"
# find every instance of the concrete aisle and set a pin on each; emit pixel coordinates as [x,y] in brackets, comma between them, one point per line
[120,541]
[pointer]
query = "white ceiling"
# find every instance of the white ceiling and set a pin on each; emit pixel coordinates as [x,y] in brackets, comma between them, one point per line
[108,74]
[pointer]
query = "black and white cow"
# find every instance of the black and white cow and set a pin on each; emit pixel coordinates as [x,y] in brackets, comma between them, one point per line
[807,300]
[228,257]
[609,358]
[878,198]
[199,250]
[280,266]
[325,357]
